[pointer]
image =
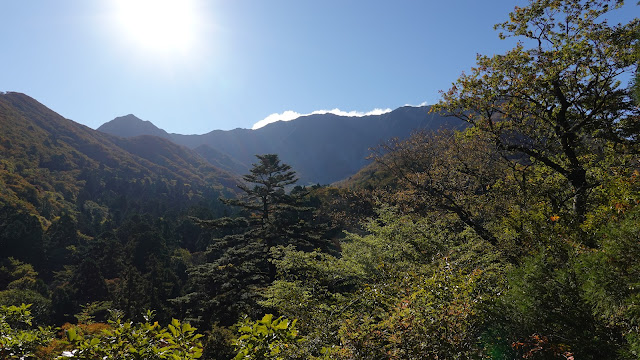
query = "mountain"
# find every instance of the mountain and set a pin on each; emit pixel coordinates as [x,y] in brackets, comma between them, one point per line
[322,148]
[130,125]
[220,160]
[50,165]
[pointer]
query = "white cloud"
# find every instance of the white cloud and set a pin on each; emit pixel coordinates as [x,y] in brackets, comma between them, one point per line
[291,115]
[424,103]
[285,116]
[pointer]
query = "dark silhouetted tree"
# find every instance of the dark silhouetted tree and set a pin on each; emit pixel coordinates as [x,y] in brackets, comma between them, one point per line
[240,260]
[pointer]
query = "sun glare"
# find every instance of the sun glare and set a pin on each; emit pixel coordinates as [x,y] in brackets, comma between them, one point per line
[158,26]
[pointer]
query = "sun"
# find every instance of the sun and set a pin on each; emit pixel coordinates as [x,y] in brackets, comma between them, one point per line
[158,26]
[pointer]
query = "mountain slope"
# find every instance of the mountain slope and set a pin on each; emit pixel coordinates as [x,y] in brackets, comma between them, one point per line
[50,165]
[221,160]
[322,148]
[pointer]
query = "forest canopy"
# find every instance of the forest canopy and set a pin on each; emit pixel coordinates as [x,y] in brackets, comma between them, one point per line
[517,237]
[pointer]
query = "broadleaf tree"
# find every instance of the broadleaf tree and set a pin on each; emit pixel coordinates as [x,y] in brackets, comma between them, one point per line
[558,97]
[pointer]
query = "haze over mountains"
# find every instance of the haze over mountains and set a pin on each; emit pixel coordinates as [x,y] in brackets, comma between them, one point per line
[322,148]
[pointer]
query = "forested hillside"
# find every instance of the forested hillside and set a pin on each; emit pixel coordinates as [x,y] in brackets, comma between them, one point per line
[51,164]
[517,237]
[83,214]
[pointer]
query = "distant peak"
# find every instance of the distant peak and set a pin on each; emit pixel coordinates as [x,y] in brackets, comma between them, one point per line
[128,117]
[130,126]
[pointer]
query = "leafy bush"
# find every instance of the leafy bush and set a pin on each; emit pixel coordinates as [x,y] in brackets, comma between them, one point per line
[267,338]
[17,340]
[125,340]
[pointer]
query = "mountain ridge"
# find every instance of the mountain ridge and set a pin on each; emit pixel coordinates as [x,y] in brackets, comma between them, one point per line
[322,148]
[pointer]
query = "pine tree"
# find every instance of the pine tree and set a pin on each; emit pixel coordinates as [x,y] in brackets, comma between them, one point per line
[239,263]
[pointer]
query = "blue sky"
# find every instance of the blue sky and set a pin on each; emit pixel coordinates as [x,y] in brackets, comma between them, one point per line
[197,65]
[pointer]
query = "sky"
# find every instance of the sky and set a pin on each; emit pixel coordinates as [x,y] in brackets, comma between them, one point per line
[193,66]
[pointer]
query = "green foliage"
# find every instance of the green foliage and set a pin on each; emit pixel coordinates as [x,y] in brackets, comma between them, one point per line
[435,316]
[554,110]
[218,343]
[240,262]
[17,340]
[126,340]
[412,307]
[20,284]
[546,307]
[515,238]
[275,216]
[395,239]
[21,235]
[316,288]
[228,284]
[342,209]
[409,288]
[66,191]
[267,338]
[458,175]
[609,277]
[557,103]
[19,275]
